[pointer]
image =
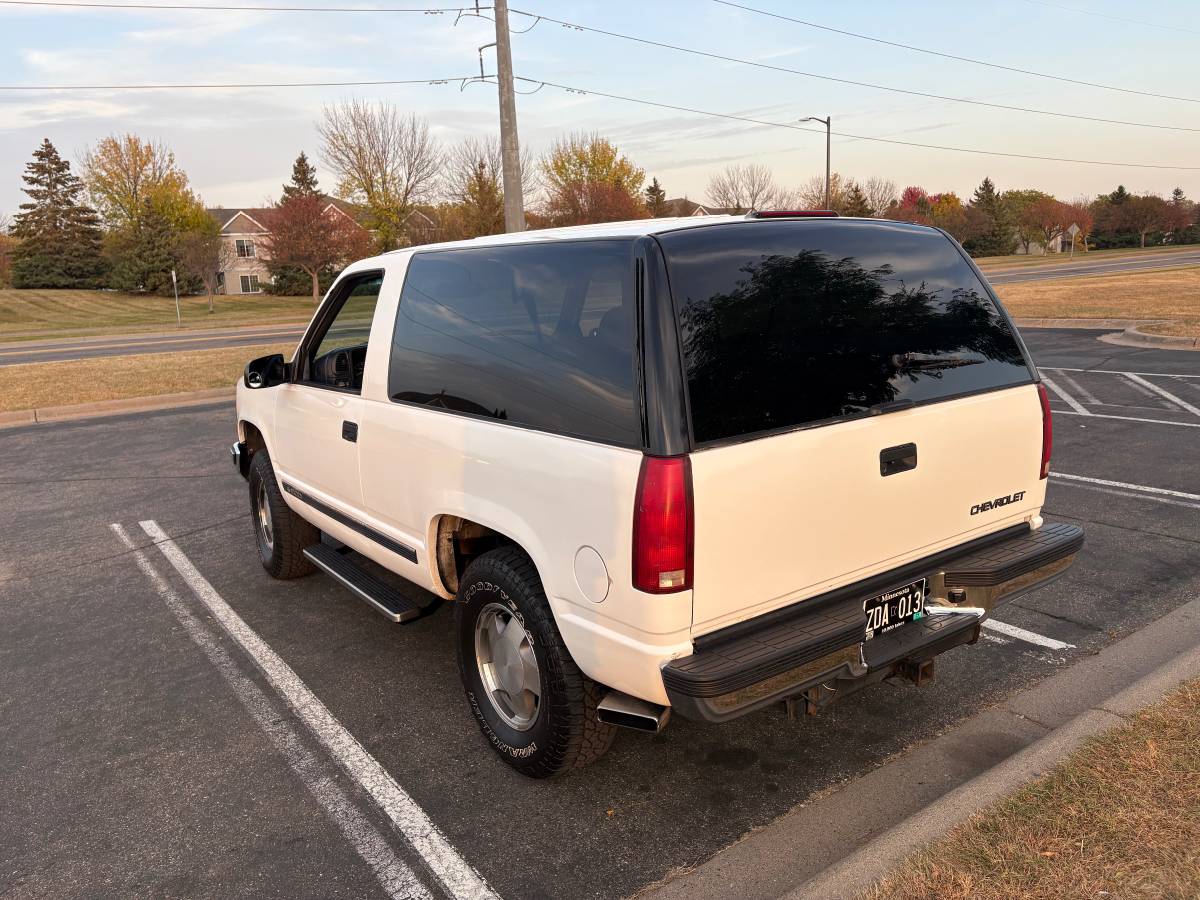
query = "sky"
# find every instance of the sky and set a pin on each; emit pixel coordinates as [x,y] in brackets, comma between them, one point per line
[237,146]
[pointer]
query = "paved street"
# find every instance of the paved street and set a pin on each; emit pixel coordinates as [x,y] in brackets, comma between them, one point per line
[1064,267]
[147,747]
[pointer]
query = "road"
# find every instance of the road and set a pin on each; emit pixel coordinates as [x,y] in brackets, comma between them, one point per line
[147,751]
[1080,266]
[122,345]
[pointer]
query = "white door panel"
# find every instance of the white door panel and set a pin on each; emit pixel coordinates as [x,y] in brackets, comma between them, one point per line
[310,446]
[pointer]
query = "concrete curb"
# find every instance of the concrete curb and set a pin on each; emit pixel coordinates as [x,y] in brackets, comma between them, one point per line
[841,841]
[1133,337]
[1106,324]
[100,408]
[1128,333]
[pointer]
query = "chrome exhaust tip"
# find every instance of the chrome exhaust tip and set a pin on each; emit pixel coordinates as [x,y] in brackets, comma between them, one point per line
[630,712]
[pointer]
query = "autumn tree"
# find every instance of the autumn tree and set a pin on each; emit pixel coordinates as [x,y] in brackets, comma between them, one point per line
[464,160]
[1047,218]
[58,237]
[656,200]
[1018,203]
[812,194]
[946,211]
[747,187]
[202,255]
[1146,213]
[383,160]
[589,180]
[472,184]
[125,175]
[307,233]
[304,179]
[1082,212]
[880,194]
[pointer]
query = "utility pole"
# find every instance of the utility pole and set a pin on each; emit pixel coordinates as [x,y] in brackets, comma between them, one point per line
[510,151]
[828,123]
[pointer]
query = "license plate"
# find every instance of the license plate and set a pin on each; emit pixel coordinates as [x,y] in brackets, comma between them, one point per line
[894,609]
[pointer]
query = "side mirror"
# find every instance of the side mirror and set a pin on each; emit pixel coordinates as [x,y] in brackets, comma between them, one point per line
[265,372]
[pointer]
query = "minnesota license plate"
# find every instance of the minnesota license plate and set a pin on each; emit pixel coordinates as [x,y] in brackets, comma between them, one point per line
[894,609]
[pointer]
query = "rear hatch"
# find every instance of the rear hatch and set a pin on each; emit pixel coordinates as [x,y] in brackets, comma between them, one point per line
[857,400]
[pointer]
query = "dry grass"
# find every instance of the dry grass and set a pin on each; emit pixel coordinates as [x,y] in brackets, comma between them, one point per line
[36,385]
[1020,260]
[1118,818]
[35,314]
[1173,294]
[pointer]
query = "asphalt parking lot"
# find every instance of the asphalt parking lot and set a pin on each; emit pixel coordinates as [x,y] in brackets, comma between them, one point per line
[176,723]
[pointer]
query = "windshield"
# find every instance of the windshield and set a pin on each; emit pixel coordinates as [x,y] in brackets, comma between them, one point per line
[789,323]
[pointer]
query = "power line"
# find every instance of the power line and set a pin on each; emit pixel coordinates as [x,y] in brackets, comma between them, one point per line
[966,59]
[865,84]
[860,137]
[463,80]
[1090,12]
[213,8]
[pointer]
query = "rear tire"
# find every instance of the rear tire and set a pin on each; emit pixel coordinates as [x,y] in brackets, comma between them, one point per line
[280,534]
[540,731]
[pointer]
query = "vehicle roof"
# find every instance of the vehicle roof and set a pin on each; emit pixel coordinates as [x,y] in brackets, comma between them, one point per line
[630,228]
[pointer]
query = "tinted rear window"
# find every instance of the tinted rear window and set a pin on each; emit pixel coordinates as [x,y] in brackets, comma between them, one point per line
[536,334]
[795,322]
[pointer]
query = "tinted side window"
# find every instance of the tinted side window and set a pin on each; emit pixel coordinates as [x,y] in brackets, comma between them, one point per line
[792,322]
[538,334]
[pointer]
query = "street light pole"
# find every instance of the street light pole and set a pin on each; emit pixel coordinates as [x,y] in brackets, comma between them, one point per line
[828,123]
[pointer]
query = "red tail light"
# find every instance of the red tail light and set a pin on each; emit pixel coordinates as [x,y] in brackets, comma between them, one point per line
[1047,430]
[663,526]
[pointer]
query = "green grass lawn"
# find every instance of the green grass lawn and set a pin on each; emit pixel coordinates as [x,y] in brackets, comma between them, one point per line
[31,314]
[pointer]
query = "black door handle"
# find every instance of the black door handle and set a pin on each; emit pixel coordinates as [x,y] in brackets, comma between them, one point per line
[897,459]
[350,432]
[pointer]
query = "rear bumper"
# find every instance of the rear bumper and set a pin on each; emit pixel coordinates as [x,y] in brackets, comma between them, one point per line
[815,649]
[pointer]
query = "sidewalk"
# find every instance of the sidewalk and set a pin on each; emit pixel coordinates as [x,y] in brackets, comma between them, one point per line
[840,843]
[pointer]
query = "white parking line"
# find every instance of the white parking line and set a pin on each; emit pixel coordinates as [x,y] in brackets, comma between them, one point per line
[1029,637]
[1071,401]
[1114,372]
[1166,395]
[1064,412]
[1088,396]
[1142,491]
[458,878]
[396,878]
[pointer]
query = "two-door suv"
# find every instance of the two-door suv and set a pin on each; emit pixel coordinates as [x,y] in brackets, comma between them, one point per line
[695,465]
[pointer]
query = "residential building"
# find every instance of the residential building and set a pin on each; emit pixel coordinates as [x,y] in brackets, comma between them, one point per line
[243,231]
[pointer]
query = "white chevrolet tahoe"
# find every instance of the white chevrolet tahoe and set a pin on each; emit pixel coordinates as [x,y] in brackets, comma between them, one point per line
[694,465]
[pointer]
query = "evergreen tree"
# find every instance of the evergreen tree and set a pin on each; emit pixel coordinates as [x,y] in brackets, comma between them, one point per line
[997,235]
[1119,196]
[656,199]
[304,179]
[145,254]
[856,203]
[59,236]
